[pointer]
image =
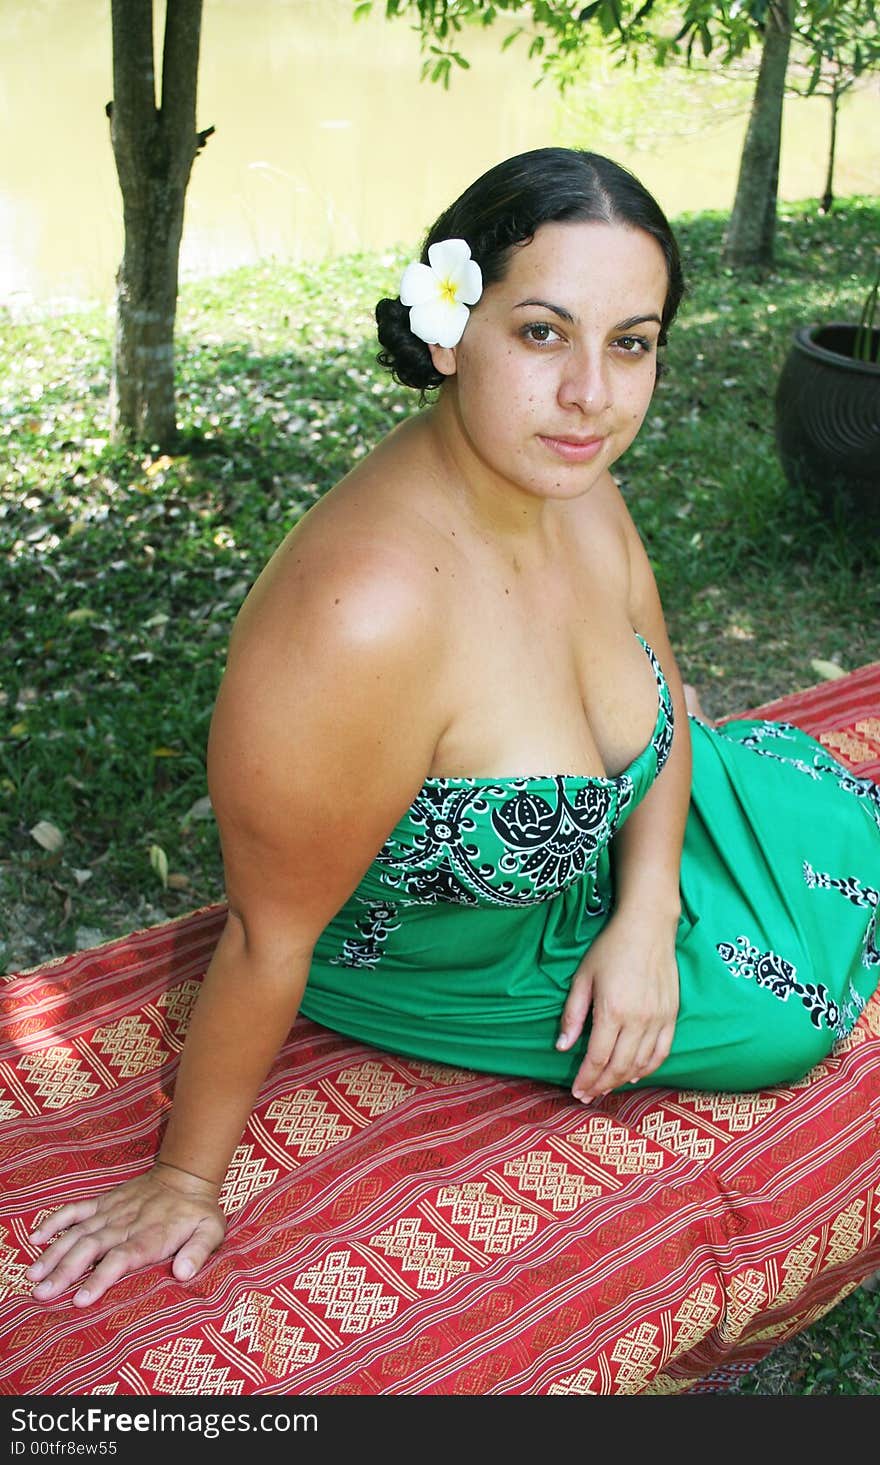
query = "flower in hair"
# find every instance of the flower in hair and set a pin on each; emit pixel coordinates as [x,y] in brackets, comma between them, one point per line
[440,292]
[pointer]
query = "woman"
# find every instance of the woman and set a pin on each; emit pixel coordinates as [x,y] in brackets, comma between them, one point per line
[442,760]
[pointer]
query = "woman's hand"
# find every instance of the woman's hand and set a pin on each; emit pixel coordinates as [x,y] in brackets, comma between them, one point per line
[630,979]
[165,1213]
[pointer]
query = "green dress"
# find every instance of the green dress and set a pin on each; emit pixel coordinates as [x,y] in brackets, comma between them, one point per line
[461,941]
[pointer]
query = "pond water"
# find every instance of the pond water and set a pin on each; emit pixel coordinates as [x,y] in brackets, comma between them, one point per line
[327,141]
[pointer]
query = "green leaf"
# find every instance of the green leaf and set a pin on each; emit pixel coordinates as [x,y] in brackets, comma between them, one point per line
[159,863]
[828,670]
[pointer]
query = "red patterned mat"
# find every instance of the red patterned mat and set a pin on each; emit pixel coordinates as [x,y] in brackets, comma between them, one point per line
[399,1227]
[843,714]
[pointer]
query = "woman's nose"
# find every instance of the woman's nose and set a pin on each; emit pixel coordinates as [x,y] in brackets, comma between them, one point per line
[584,382]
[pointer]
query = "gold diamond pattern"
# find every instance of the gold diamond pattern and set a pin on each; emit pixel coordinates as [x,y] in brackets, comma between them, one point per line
[775,1330]
[746,1296]
[131,1046]
[58,1077]
[669,1132]
[306,1122]
[740,1112]
[181,1368]
[178,1002]
[798,1267]
[8,1108]
[576,1383]
[419,1251]
[636,1351]
[846,1234]
[342,1289]
[256,1321]
[663,1384]
[492,1222]
[13,1281]
[695,1317]
[551,1180]
[374,1087]
[612,1145]
[846,746]
[869,727]
[438,1073]
[871,1017]
[245,1178]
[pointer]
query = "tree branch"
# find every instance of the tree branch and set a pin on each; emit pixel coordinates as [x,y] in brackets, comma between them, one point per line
[134,77]
[180,66]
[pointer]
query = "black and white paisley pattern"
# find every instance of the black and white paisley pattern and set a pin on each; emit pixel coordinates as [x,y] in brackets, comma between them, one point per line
[441,862]
[551,841]
[764,729]
[860,788]
[548,842]
[776,732]
[375,927]
[541,836]
[861,895]
[770,970]
[850,1011]
[664,731]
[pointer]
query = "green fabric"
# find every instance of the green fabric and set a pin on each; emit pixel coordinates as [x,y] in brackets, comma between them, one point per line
[461,941]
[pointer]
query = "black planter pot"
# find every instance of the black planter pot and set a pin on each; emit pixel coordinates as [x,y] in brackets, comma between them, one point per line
[828,421]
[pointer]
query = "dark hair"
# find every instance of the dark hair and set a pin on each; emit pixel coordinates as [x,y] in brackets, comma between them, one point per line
[504,208]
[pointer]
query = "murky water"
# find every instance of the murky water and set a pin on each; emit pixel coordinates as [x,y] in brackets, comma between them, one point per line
[327,141]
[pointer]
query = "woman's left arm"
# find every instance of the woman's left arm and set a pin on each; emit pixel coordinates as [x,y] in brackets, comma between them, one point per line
[629,976]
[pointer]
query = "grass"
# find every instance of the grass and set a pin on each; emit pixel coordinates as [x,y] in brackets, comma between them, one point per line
[121,570]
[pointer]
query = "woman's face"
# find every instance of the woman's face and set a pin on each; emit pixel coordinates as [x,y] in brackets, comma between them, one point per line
[555,370]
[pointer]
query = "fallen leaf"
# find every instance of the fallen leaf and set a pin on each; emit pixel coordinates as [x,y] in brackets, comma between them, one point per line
[828,670]
[158,465]
[178,882]
[201,809]
[48,836]
[159,862]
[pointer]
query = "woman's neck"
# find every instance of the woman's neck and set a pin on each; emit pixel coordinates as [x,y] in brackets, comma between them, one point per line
[497,508]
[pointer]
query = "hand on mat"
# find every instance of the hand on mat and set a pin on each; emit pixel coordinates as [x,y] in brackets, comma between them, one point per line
[165,1213]
[630,979]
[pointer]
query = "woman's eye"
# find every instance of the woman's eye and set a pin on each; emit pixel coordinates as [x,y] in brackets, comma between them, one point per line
[541,332]
[634,345]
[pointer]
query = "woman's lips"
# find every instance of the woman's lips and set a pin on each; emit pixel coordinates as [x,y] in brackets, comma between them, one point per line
[573,449]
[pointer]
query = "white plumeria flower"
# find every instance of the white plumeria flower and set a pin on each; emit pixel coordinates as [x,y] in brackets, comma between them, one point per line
[440,292]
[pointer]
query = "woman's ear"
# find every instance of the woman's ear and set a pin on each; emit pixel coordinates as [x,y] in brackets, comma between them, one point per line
[443,358]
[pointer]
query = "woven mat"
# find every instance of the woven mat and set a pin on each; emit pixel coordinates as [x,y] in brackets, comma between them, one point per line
[408,1228]
[844,714]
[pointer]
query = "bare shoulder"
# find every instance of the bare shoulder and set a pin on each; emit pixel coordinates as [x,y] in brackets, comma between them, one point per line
[327,717]
[356,569]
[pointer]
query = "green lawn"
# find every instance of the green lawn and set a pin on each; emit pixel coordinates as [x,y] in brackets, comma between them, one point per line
[121,571]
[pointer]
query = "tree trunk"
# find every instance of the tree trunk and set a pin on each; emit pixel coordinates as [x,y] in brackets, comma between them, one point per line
[827,201]
[750,233]
[154,149]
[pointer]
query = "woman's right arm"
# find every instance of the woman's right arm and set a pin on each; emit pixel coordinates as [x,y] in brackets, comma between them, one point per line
[323,731]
